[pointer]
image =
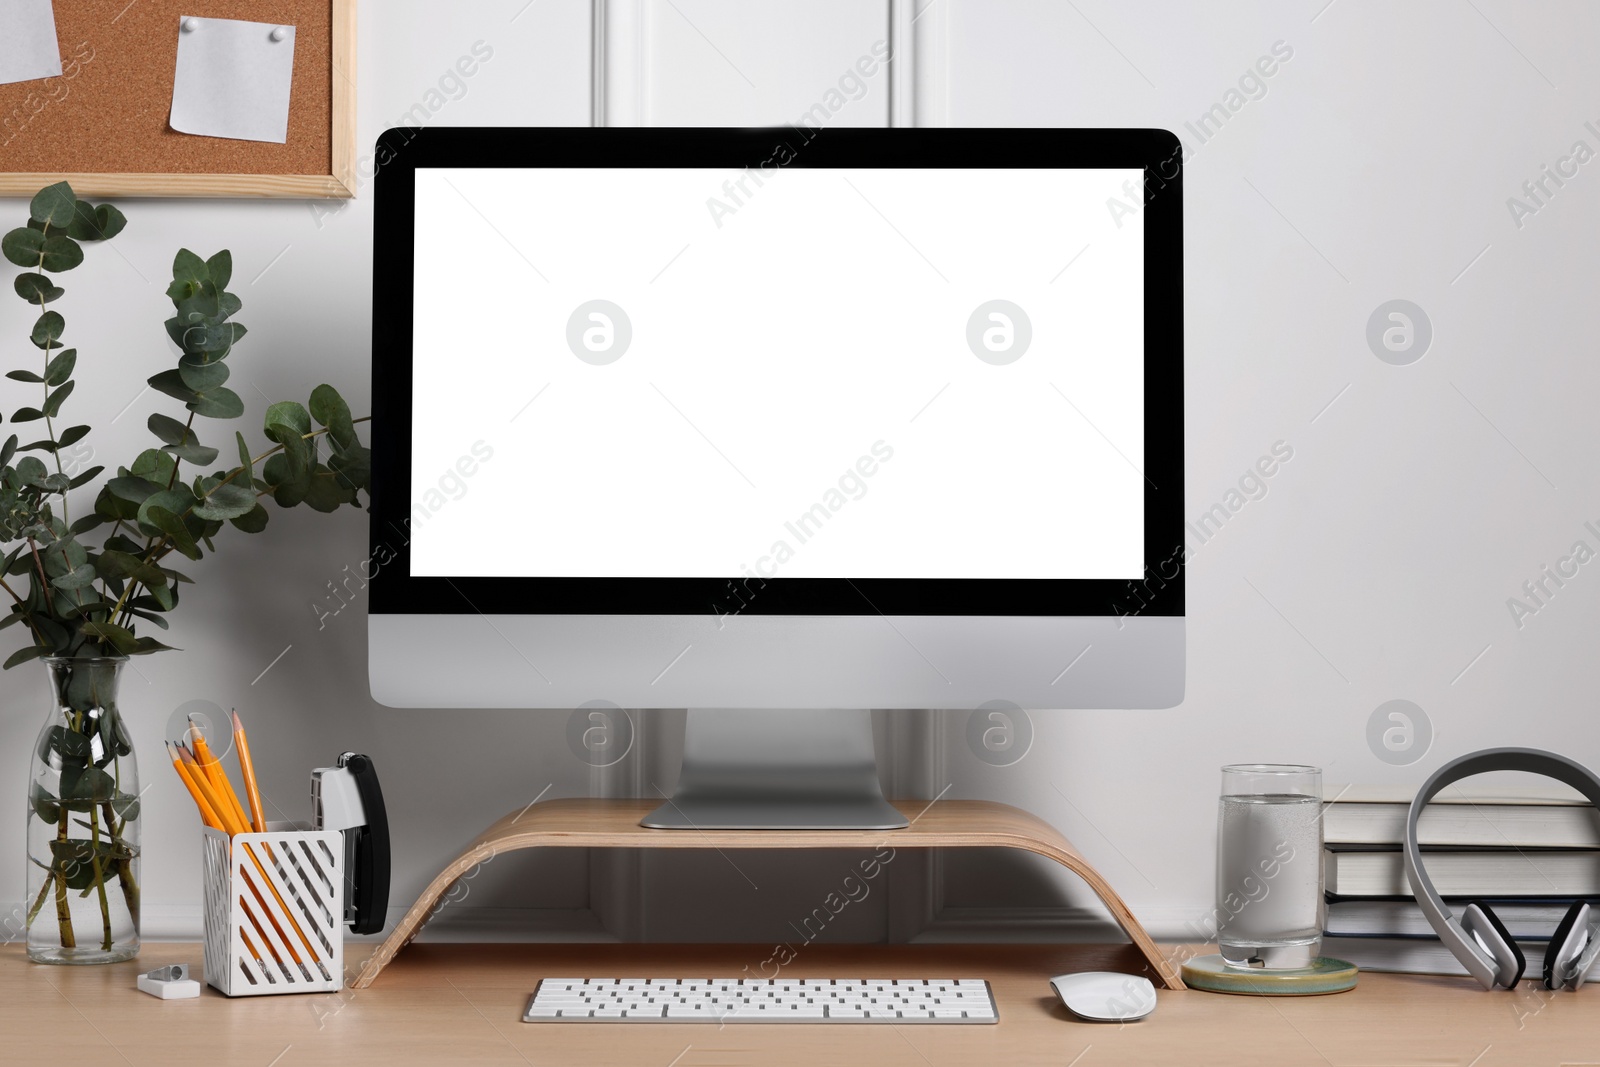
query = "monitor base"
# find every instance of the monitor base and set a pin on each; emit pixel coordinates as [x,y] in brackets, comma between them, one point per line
[586,823]
[777,770]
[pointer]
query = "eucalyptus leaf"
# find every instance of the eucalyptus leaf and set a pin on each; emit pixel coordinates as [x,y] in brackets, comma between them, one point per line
[181,440]
[85,523]
[172,526]
[201,306]
[77,578]
[148,616]
[226,502]
[30,470]
[119,638]
[218,403]
[354,466]
[47,329]
[90,783]
[59,369]
[133,489]
[169,429]
[219,268]
[114,733]
[252,521]
[24,247]
[37,288]
[82,224]
[113,563]
[84,477]
[59,253]
[154,464]
[330,410]
[23,655]
[109,221]
[165,595]
[245,460]
[126,805]
[288,414]
[54,205]
[176,500]
[189,268]
[199,455]
[326,492]
[90,223]
[43,803]
[202,376]
[171,383]
[53,402]
[59,746]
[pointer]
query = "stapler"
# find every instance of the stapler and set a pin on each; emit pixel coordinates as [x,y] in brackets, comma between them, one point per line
[347,798]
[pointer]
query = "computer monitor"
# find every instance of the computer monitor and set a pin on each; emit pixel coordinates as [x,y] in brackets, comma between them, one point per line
[778,426]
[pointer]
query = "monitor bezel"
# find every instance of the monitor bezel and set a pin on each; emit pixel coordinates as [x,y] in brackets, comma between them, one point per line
[402,151]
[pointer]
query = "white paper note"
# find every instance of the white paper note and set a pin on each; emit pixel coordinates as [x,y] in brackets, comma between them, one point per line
[28,47]
[233,79]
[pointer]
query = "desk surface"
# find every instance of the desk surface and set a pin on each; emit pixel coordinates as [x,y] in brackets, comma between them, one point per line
[462,1003]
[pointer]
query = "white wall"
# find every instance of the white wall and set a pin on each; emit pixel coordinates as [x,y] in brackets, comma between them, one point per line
[1419,498]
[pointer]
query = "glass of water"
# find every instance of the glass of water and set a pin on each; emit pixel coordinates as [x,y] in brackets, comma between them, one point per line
[1269,865]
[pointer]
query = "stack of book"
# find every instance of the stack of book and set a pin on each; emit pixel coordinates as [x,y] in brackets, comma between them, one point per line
[1527,852]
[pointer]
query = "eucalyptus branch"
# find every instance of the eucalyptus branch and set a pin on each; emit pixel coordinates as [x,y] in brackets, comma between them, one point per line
[44,586]
[77,610]
[164,545]
[49,422]
[176,462]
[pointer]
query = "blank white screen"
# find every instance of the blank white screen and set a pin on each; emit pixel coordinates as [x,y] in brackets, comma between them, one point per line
[798,397]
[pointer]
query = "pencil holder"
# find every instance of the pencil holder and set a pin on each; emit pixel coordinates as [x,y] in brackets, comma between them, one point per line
[274,905]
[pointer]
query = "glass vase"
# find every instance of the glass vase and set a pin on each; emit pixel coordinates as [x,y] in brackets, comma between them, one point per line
[83,821]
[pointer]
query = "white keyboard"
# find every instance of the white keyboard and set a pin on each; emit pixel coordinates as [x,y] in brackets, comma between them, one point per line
[776,1000]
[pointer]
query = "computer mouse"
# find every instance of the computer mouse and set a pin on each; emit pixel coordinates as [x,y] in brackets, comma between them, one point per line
[1106,996]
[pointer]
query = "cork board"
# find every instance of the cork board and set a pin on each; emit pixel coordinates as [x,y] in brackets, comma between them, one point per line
[103,124]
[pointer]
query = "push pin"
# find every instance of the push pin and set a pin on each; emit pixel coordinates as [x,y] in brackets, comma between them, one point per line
[280,33]
[189,25]
[169,983]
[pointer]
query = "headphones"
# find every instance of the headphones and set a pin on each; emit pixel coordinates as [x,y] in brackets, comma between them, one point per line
[1478,938]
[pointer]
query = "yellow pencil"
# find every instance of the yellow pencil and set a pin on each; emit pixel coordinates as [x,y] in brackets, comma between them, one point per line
[207,814]
[198,775]
[247,767]
[214,770]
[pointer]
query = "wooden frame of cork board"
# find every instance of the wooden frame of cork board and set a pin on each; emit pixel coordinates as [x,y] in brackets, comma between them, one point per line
[103,126]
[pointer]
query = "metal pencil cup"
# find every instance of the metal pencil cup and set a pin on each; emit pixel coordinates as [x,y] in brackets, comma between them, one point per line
[274,903]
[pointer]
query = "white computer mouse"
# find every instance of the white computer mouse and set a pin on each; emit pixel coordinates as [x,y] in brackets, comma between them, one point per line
[1106,996]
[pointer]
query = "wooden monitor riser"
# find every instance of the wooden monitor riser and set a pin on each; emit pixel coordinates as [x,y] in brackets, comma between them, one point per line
[615,824]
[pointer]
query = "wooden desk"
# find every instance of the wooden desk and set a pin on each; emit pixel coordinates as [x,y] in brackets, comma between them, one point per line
[441,1004]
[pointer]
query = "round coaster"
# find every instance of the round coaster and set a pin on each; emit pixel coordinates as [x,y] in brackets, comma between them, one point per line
[1325,975]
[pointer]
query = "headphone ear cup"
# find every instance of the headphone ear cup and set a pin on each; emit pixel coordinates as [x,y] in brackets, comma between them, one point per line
[1577,916]
[1505,935]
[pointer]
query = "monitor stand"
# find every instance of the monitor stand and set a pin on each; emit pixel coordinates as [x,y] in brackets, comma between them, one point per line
[777,770]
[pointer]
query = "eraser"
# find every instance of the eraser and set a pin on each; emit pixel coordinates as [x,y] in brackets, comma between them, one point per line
[180,989]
